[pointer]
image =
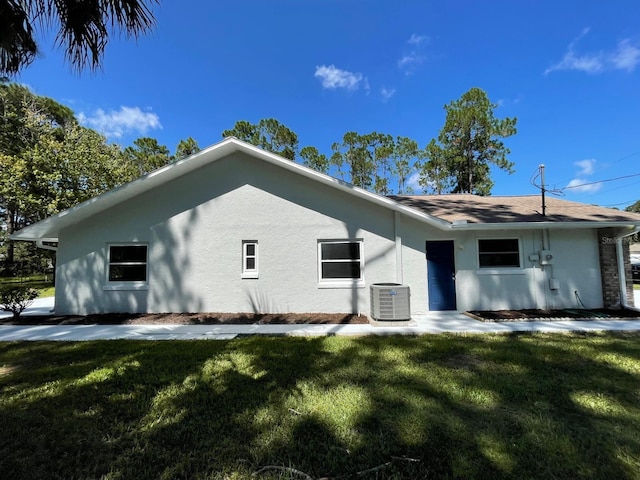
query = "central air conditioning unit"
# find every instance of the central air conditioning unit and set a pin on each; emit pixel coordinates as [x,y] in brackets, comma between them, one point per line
[390,302]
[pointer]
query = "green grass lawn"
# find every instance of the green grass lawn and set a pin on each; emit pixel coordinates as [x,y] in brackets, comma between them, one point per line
[447,406]
[42,283]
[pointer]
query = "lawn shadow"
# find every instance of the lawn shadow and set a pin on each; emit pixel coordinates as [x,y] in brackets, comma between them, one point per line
[494,406]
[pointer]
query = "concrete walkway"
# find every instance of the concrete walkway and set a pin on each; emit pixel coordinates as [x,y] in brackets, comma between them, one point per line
[436,322]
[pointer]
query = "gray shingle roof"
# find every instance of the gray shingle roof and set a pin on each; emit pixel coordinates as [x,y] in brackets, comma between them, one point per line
[526,208]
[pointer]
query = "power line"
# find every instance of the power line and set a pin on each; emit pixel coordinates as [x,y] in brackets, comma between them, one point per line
[624,158]
[621,203]
[599,181]
[606,164]
[616,188]
[539,174]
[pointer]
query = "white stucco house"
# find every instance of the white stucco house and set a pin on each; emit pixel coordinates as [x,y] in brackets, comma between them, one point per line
[236,229]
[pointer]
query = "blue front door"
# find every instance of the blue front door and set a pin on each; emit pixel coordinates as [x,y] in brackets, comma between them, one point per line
[441,275]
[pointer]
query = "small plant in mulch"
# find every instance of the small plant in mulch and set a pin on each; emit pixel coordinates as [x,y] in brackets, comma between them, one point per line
[17,299]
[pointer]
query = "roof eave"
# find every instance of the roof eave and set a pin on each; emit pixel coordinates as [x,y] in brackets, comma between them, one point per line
[543,225]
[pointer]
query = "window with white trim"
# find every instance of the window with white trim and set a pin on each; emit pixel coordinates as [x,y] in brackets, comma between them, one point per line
[499,253]
[250,259]
[340,260]
[127,263]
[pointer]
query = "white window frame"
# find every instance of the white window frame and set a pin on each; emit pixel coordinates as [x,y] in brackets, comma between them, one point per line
[250,272]
[341,282]
[124,284]
[498,269]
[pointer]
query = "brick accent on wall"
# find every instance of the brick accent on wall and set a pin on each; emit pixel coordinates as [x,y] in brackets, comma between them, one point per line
[609,268]
[627,273]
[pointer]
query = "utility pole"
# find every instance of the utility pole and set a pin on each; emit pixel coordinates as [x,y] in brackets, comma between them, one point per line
[542,189]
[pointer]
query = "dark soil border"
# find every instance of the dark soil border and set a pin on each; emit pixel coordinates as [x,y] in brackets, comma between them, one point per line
[189,319]
[532,315]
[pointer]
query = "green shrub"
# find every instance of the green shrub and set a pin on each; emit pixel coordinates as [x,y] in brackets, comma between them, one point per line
[16,299]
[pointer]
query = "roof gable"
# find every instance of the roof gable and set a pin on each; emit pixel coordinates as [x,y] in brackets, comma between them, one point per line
[49,228]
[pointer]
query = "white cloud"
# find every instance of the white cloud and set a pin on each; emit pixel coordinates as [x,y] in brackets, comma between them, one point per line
[116,123]
[387,93]
[585,166]
[580,184]
[413,183]
[333,78]
[587,63]
[506,102]
[625,57]
[584,63]
[414,56]
[584,186]
[417,39]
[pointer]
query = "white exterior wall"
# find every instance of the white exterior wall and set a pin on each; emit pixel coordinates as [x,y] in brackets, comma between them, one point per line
[414,237]
[575,265]
[194,227]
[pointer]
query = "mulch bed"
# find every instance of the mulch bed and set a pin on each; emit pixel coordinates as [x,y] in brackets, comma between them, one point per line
[189,319]
[566,314]
[304,318]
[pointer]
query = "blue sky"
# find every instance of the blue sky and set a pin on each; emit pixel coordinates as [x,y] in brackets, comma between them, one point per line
[568,70]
